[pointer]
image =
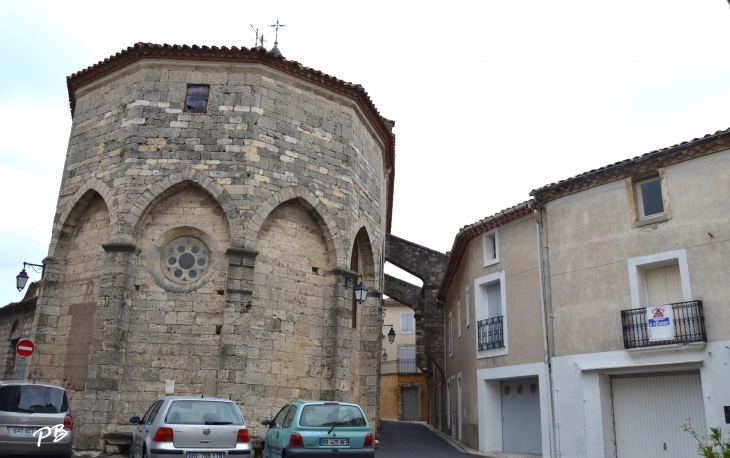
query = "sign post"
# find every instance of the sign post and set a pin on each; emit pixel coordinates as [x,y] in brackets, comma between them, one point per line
[24,349]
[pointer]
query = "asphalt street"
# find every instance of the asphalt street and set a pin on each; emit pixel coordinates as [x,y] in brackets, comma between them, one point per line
[400,439]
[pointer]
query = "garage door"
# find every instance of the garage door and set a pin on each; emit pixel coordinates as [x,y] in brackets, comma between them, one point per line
[521,416]
[410,403]
[649,412]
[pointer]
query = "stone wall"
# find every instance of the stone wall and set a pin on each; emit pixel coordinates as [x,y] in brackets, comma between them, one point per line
[280,178]
[16,320]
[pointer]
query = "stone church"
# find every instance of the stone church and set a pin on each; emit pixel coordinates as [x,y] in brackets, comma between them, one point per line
[213,202]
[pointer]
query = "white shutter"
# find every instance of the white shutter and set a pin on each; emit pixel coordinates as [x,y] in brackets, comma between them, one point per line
[664,285]
[494,300]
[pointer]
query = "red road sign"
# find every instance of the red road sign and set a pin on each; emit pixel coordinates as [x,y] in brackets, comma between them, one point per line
[25,348]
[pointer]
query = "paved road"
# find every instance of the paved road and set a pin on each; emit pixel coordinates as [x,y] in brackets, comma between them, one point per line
[412,440]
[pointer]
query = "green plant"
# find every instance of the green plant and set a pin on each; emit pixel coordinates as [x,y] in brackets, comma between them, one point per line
[122,107]
[712,445]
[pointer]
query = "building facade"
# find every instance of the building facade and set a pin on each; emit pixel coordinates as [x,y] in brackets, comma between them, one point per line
[403,388]
[496,381]
[213,202]
[637,281]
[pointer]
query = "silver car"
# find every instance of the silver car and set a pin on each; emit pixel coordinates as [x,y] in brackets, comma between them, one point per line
[35,419]
[190,427]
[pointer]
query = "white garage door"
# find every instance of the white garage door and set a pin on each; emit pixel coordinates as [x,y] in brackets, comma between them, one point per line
[649,412]
[521,416]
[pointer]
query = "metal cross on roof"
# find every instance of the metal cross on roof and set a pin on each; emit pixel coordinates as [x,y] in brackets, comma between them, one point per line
[277,26]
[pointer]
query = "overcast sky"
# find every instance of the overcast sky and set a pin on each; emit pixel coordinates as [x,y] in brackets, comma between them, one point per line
[491,98]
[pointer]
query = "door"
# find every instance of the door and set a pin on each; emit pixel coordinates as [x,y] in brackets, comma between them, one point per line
[521,429]
[410,403]
[454,423]
[273,441]
[143,428]
[649,412]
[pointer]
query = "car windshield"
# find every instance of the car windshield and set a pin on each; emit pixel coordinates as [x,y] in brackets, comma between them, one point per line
[203,413]
[331,414]
[33,398]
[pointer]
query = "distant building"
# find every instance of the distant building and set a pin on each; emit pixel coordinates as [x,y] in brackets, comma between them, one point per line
[403,389]
[213,202]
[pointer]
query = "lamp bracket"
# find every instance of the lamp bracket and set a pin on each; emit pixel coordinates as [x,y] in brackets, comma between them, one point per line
[351,279]
[34,267]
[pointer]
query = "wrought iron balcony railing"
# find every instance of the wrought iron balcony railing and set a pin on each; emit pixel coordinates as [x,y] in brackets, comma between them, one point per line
[399,366]
[688,319]
[491,333]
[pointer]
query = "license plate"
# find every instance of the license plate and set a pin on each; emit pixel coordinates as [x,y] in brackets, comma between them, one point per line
[205,455]
[24,431]
[339,442]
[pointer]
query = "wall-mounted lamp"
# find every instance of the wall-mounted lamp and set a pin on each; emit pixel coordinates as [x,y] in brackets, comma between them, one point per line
[391,333]
[360,290]
[22,277]
[385,355]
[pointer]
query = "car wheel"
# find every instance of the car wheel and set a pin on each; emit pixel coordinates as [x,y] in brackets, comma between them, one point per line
[144,452]
[263,453]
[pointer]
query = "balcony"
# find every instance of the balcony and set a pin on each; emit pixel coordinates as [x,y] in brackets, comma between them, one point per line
[688,319]
[399,366]
[491,333]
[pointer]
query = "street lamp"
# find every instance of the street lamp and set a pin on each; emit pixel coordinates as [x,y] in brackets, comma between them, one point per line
[22,277]
[360,290]
[391,333]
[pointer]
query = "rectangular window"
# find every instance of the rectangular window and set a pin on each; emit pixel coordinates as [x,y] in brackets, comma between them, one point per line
[490,314]
[466,307]
[451,337]
[490,245]
[407,359]
[196,99]
[458,319]
[649,197]
[406,323]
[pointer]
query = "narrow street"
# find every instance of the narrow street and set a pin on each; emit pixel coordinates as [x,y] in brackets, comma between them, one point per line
[403,440]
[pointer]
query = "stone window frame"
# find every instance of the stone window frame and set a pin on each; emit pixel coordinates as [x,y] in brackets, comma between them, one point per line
[634,194]
[155,251]
[185,101]
[490,247]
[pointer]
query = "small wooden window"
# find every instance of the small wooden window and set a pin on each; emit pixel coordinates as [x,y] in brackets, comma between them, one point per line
[649,193]
[196,100]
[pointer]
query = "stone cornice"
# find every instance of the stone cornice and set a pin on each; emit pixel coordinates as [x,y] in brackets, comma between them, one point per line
[120,247]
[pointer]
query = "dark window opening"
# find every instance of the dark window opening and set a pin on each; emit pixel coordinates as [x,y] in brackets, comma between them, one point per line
[651,196]
[196,100]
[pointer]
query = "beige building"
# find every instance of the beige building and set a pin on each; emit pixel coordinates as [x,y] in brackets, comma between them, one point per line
[403,388]
[495,389]
[639,262]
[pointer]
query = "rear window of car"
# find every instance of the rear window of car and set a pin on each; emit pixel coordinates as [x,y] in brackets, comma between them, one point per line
[33,398]
[330,414]
[203,413]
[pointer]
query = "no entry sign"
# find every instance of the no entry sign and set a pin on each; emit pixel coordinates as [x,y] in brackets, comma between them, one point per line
[25,348]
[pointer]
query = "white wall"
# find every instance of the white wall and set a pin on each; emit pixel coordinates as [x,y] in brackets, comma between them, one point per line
[587,431]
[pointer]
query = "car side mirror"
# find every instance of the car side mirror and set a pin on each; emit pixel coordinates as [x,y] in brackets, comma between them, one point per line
[134,420]
[265,422]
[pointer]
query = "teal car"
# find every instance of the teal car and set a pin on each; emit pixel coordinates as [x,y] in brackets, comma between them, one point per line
[316,429]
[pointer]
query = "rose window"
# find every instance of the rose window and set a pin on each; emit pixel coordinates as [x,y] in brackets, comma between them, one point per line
[185,260]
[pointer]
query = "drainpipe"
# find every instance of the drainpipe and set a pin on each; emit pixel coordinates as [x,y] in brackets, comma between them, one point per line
[552,404]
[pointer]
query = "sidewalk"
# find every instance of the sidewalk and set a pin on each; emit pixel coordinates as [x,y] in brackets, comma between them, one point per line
[466,449]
